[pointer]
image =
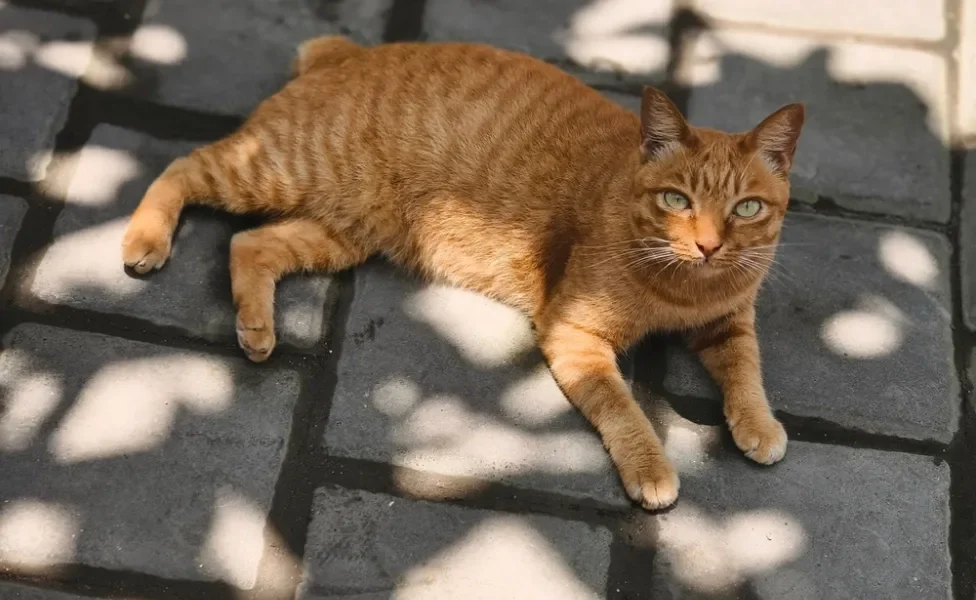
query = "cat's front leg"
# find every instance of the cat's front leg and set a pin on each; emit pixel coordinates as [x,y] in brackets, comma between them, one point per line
[585,367]
[730,353]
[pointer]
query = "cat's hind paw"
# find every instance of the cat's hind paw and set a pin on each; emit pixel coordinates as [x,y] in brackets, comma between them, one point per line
[146,244]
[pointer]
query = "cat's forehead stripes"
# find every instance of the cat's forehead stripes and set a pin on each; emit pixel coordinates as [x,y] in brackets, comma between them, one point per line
[715,172]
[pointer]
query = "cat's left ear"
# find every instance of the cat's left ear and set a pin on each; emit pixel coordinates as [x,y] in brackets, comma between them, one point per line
[775,138]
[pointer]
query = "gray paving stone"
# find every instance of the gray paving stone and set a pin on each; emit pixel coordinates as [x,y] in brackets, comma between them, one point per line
[445,381]
[876,115]
[621,35]
[855,329]
[43,55]
[827,522]
[83,268]
[373,546]
[228,55]
[910,19]
[967,70]
[967,242]
[20,592]
[135,457]
[12,211]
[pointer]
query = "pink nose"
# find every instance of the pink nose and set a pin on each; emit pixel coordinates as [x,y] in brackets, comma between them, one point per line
[708,249]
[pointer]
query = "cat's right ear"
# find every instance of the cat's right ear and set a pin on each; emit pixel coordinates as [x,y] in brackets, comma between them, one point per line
[662,125]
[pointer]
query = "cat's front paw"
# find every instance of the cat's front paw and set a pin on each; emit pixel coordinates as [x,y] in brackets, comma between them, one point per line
[146,243]
[649,479]
[257,340]
[761,437]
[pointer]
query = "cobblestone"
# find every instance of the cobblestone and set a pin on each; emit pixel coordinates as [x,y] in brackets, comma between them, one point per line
[128,456]
[827,522]
[43,56]
[228,55]
[443,380]
[628,36]
[371,545]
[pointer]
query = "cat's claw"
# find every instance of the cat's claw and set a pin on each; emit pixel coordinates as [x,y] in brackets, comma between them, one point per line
[256,342]
[762,439]
[651,482]
[145,247]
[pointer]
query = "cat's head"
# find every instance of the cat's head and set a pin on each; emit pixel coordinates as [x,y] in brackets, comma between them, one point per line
[710,200]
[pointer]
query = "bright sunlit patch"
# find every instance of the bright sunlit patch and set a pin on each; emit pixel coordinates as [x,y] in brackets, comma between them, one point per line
[763,538]
[709,556]
[607,35]
[87,260]
[36,535]
[503,557]
[105,172]
[16,49]
[535,400]
[624,53]
[873,330]
[130,406]
[609,17]
[68,58]
[159,44]
[442,436]
[908,259]
[236,539]
[487,333]
[32,398]
[396,397]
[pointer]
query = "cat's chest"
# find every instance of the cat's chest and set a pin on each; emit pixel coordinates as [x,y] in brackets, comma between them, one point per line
[660,317]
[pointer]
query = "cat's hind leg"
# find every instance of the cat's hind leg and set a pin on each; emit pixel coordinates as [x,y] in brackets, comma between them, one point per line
[214,175]
[260,257]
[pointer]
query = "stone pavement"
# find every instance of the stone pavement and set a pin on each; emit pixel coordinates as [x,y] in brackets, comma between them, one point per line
[407,441]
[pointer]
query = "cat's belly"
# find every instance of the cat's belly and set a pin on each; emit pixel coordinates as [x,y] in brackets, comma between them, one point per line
[490,256]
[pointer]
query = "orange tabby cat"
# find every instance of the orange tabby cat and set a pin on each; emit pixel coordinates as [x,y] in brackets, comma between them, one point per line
[497,172]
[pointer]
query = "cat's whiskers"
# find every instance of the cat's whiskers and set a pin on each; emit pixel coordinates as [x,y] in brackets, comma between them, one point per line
[772,264]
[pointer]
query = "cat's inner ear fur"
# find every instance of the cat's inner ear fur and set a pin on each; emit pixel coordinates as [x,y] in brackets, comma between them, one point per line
[775,138]
[663,128]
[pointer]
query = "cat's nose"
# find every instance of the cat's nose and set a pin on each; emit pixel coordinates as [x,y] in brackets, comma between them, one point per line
[708,248]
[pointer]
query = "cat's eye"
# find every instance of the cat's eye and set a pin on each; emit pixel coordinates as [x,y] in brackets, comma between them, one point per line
[676,201]
[748,208]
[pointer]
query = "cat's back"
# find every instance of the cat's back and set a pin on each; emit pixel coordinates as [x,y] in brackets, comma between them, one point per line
[479,117]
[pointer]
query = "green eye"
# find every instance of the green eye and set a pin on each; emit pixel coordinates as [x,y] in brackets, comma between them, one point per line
[675,201]
[748,208]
